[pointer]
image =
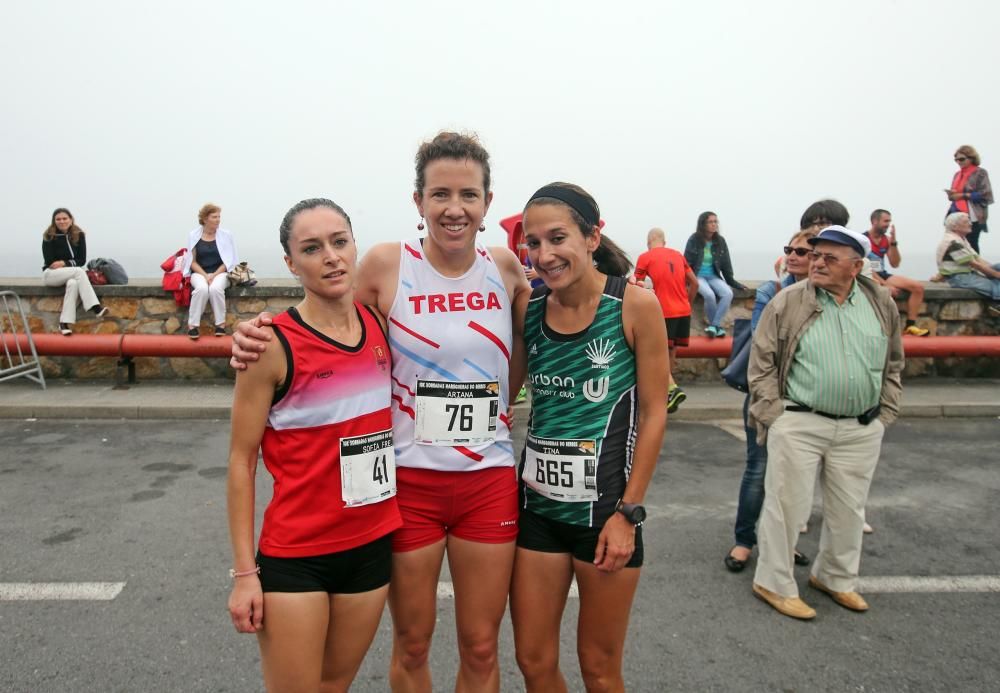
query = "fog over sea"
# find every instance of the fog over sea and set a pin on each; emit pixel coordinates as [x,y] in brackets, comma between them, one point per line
[134,115]
[265,257]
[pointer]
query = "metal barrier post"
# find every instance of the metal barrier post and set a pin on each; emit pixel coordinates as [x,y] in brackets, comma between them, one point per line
[13,360]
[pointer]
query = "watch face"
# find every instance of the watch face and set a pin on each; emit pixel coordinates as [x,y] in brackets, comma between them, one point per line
[638,514]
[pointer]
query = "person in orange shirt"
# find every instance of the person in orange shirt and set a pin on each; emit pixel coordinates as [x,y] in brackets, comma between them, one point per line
[674,285]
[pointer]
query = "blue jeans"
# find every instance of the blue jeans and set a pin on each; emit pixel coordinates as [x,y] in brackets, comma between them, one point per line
[751,488]
[710,289]
[983,285]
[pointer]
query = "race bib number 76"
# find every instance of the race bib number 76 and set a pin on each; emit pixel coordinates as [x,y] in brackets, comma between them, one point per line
[456,413]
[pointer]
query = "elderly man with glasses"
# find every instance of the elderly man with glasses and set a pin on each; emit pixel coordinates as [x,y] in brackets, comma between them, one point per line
[824,381]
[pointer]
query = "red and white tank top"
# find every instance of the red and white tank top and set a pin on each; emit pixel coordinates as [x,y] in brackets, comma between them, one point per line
[328,443]
[451,342]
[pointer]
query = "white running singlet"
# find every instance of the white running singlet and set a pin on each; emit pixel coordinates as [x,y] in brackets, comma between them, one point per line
[450,339]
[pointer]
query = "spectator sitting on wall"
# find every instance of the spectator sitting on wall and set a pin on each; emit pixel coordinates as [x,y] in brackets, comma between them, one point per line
[708,255]
[961,266]
[64,252]
[885,248]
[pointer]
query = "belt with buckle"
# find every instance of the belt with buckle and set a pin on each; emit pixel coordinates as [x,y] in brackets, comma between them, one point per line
[863,419]
[802,407]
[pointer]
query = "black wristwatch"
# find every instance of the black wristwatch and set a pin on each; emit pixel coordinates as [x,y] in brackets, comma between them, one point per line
[633,512]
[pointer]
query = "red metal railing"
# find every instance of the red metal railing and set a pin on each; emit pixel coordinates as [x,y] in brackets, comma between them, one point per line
[138,345]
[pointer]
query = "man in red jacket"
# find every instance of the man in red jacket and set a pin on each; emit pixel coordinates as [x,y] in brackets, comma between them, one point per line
[674,285]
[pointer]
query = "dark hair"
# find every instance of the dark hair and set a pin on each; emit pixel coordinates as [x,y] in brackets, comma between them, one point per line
[830,210]
[703,218]
[451,145]
[285,230]
[608,258]
[74,231]
[877,214]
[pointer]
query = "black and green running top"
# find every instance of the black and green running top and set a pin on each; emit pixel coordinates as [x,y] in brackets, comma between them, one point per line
[582,426]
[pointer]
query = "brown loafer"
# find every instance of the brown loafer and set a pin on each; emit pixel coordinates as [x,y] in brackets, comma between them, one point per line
[848,600]
[789,606]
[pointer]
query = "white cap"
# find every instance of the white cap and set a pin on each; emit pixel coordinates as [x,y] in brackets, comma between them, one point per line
[842,236]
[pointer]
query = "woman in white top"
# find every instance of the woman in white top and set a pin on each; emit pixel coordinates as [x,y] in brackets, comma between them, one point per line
[211,254]
[448,299]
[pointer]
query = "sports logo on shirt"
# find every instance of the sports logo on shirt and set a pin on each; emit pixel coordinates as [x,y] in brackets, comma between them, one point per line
[596,390]
[600,352]
[381,360]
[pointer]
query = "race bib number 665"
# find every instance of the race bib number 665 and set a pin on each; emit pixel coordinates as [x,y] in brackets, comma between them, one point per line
[561,470]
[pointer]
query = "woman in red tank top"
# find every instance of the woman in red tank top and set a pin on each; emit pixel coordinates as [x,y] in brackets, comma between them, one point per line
[315,592]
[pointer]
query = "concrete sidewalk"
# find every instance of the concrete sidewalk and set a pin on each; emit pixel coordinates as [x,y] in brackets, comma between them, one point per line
[78,399]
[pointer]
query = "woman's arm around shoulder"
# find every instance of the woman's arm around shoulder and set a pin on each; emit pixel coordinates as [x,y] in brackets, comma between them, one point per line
[252,395]
[511,271]
[378,274]
[519,352]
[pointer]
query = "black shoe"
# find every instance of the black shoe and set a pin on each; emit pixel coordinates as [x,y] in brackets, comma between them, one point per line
[65,329]
[220,331]
[735,565]
[800,558]
[100,311]
[193,333]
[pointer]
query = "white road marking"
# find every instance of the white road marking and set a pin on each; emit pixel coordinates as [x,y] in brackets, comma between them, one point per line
[886,584]
[447,591]
[65,591]
[733,427]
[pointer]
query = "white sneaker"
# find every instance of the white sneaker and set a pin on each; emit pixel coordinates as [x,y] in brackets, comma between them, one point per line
[867,529]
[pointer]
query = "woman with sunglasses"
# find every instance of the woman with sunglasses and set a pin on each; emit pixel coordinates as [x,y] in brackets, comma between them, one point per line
[970,192]
[796,260]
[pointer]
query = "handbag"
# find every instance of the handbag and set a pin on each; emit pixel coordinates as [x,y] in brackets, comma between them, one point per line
[735,373]
[96,277]
[111,269]
[242,275]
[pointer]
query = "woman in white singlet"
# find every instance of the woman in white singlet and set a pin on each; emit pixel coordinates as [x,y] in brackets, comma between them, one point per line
[448,301]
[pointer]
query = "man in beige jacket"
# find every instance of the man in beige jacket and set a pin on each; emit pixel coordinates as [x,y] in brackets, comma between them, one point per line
[824,381]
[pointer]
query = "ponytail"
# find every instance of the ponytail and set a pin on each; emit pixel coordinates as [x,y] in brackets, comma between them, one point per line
[610,259]
[583,209]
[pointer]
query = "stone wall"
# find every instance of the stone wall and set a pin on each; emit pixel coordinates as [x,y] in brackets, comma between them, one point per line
[143,308]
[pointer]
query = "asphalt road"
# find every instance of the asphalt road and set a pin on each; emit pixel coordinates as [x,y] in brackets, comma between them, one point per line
[143,502]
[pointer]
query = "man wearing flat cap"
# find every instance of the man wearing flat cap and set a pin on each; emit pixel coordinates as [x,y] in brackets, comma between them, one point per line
[824,380]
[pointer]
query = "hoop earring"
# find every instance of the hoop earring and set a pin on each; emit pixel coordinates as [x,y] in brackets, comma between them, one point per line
[420,224]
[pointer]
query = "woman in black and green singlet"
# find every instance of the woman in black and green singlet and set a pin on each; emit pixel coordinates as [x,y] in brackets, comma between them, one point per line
[596,353]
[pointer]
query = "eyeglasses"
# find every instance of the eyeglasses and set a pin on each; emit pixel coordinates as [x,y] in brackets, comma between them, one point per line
[820,222]
[830,258]
[960,159]
[801,252]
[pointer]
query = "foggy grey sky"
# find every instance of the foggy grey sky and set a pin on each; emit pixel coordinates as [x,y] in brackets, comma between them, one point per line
[134,114]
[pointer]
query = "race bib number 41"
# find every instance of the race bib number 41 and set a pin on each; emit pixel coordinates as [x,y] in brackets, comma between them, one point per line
[450,413]
[367,468]
[561,470]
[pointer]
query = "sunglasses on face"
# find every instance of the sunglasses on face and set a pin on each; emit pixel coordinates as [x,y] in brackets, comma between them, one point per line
[801,252]
[960,159]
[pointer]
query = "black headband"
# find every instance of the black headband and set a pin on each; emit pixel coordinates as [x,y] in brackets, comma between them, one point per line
[580,204]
